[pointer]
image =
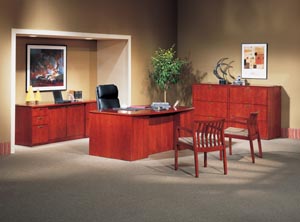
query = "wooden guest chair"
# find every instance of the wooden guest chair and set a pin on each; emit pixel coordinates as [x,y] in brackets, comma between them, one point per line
[248,131]
[206,136]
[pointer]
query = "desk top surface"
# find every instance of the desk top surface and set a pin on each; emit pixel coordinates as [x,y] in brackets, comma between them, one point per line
[49,104]
[143,112]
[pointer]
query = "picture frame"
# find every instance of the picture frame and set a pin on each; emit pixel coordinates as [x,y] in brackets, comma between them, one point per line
[46,67]
[254,60]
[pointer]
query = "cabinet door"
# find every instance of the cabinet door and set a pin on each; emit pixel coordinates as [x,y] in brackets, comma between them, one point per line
[75,121]
[57,123]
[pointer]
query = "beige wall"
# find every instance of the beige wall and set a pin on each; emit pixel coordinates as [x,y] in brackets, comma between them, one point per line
[151,24]
[81,66]
[112,66]
[211,29]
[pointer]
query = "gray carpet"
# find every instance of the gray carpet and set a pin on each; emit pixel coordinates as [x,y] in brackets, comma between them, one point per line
[61,182]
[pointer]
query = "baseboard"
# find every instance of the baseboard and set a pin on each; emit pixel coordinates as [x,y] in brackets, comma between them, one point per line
[4,148]
[290,133]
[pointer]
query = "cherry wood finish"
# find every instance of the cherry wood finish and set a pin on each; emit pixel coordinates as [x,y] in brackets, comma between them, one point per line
[31,125]
[88,107]
[228,101]
[58,119]
[67,122]
[203,137]
[247,130]
[214,98]
[75,121]
[133,135]
[46,123]
[264,100]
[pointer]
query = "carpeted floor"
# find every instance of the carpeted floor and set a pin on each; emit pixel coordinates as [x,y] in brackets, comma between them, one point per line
[61,182]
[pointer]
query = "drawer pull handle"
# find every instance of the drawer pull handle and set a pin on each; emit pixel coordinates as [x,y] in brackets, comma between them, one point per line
[40,127]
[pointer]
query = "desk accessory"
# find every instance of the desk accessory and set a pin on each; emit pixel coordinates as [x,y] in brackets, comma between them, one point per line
[30,96]
[160,106]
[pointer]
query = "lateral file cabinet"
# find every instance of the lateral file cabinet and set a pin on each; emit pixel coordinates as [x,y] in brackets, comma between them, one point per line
[227,101]
[47,123]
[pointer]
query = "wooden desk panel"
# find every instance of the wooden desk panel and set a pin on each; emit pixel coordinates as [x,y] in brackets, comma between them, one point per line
[133,135]
[47,122]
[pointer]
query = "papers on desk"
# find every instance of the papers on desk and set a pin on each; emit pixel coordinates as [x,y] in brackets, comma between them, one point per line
[133,108]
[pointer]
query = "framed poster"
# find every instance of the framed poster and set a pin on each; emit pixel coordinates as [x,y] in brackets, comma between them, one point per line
[254,61]
[46,67]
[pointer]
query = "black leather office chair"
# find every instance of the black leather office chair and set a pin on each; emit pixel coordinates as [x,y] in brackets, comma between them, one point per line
[107,97]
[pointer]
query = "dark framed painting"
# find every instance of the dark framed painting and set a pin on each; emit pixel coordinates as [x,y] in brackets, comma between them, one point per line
[254,61]
[46,68]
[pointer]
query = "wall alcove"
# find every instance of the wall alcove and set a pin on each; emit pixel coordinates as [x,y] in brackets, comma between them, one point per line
[113,62]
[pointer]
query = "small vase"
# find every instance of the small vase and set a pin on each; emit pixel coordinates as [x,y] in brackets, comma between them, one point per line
[222,81]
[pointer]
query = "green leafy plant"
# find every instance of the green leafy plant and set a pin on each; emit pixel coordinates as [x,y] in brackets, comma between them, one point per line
[166,68]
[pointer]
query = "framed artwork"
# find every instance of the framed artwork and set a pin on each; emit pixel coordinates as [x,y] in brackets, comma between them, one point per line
[254,61]
[46,67]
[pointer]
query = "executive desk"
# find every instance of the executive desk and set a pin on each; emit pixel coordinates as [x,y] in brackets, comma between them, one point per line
[133,135]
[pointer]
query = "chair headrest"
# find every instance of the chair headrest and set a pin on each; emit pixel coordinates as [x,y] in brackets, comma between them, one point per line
[109,91]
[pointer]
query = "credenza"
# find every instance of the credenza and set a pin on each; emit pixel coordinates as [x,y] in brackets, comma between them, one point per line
[48,123]
[228,101]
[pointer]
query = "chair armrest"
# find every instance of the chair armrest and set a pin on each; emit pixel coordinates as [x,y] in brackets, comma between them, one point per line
[239,120]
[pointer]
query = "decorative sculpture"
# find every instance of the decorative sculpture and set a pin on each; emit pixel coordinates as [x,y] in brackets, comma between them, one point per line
[222,71]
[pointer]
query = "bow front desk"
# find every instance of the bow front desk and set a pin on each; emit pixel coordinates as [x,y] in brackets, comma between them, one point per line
[133,135]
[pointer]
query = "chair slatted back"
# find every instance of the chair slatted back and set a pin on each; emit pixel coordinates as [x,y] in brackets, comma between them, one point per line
[252,124]
[209,135]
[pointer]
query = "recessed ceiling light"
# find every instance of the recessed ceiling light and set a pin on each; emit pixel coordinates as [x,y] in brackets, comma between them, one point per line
[88,38]
[33,36]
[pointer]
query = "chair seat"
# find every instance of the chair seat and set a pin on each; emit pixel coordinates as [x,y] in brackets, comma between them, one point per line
[187,140]
[236,131]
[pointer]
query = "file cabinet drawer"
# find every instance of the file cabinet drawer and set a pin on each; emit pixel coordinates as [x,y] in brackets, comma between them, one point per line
[39,112]
[39,120]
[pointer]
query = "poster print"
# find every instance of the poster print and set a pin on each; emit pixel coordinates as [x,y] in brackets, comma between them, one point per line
[254,61]
[46,67]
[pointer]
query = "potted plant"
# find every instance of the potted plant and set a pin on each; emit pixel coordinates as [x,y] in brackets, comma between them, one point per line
[166,68]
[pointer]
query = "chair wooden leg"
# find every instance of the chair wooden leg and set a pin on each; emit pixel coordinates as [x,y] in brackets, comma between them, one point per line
[225,161]
[252,150]
[230,146]
[205,159]
[196,164]
[259,147]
